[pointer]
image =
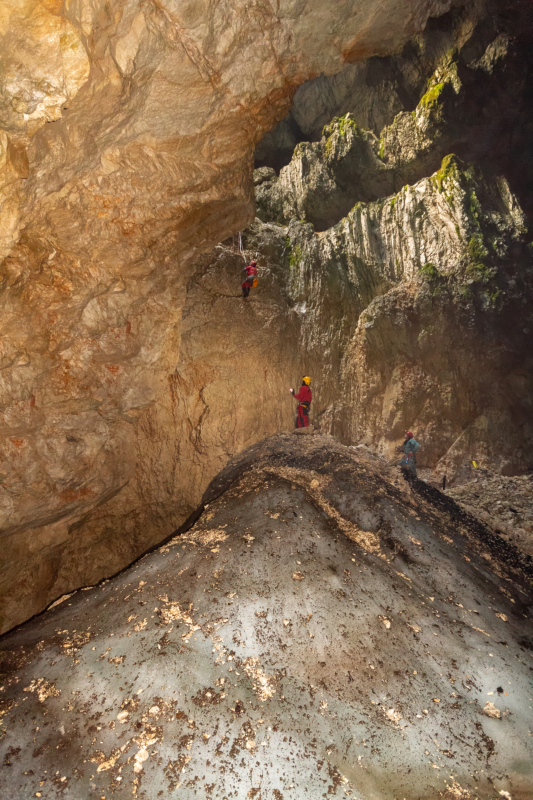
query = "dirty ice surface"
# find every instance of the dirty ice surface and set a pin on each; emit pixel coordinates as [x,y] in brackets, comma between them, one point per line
[505,503]
[325,629]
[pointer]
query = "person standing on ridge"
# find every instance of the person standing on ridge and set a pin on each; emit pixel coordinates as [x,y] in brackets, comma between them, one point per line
[304,397]
[251,278]
[409,449]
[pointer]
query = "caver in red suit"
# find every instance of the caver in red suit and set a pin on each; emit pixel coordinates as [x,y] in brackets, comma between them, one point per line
[251,275]
[304,397]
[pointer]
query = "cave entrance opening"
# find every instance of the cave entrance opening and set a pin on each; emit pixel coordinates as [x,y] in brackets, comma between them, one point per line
[374,91]
[463,86]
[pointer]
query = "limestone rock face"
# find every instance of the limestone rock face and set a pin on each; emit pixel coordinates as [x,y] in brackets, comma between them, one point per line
[324,628]
[229,386]
[325,179]
[45,63]
[436,348]
[440,273]
[374,91]
[127,147]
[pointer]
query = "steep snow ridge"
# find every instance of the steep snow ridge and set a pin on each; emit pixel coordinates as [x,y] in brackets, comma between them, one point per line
[323,628]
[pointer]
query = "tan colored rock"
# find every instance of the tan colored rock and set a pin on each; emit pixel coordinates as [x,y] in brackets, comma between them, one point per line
[228,388]
[13,170]
[130,131]
[44,63]
[491,711]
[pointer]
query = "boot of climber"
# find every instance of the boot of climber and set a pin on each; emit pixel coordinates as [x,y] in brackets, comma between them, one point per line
[409,449]
[304,397]
[251,278]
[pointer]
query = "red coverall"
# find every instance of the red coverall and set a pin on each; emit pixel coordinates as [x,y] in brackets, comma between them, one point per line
[251,273]
[304,396]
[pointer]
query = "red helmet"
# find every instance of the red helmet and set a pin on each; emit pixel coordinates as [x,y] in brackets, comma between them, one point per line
[409,434]
[253,263]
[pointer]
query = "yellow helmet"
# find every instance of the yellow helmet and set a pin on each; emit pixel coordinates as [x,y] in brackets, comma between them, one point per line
[307,380]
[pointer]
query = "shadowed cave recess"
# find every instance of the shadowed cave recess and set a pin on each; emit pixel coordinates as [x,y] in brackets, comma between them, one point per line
[235,610]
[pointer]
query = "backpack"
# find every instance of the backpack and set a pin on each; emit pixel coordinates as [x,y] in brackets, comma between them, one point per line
[254,283]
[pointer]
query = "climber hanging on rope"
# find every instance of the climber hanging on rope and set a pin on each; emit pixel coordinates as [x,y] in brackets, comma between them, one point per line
[251,278]
[409,449]
[304,397]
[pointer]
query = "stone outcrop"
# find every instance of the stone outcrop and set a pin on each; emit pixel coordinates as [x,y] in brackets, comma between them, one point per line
[129,131]
[429,288]
[349,164]
[377,90]
[374,91]
[324,628]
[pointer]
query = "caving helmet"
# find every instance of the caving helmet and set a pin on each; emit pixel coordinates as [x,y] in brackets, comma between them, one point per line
[408,434]
[307,380]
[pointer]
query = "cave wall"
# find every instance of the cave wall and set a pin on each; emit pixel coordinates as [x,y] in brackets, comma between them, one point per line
[435,335]
[375,90]
[228,388]
[126,150]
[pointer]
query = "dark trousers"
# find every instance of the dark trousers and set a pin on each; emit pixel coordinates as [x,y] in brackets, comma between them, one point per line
[409,465]
[302,417]
[246,288]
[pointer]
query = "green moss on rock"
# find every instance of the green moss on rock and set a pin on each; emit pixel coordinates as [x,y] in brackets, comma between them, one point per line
[341,125]
[429,271]
[449,169]
[493,297]
[476,249]
[477,253]
[474,207]
[295,254]
[431,98]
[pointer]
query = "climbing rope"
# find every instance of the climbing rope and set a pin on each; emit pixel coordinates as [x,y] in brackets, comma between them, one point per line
[241,251]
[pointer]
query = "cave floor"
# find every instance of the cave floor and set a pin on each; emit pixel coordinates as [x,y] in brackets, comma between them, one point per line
[324,629]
